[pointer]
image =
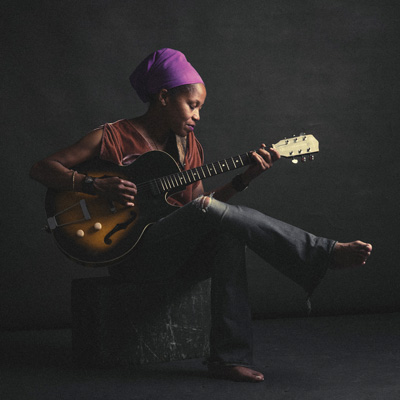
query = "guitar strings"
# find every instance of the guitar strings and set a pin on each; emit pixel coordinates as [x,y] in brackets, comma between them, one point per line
[173,181]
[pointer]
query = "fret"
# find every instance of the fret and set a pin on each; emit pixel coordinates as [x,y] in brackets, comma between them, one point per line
[183,178]
[197,175]
[162,184]
[187,176]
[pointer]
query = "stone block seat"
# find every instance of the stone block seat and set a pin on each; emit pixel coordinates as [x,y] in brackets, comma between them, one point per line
[123,323]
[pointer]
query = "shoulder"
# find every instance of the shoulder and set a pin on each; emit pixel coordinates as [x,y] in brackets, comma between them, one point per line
[121,125]
[120,139]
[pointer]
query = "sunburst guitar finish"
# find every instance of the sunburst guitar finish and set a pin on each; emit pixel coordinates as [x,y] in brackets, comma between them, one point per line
[94,231]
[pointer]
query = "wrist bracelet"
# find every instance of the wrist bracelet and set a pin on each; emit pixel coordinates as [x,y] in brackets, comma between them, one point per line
[237,183]
[88,185]
[73,180]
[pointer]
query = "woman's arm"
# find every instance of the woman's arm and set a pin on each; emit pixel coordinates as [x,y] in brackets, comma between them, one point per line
[56,171]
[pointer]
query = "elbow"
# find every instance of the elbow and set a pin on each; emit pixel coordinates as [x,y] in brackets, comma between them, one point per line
[34,172]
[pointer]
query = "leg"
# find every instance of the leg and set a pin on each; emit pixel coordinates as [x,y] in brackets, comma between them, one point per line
[176,240]
[300,255]
[231,337]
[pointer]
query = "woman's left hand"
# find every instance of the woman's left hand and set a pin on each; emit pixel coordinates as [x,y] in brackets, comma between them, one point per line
[262,160]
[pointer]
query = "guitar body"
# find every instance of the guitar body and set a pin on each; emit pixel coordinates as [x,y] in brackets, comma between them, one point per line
[75,218]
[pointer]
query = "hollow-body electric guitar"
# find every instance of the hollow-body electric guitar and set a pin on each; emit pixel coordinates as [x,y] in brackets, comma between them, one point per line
[94,231]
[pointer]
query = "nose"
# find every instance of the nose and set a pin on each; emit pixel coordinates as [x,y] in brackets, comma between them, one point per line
[196,115]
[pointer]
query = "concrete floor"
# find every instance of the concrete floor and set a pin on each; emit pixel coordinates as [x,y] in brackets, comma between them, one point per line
[324,358]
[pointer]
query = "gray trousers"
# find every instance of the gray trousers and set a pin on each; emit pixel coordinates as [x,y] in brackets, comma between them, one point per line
[197,243]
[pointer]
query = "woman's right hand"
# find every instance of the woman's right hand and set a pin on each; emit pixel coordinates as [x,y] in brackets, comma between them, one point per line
[116,189]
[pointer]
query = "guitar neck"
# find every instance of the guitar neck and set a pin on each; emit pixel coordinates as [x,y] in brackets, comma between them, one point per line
[184,178]
[297,146]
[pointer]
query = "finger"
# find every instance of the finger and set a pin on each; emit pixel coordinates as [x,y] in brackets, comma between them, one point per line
[260,161]
[275,154]
[132,191]
[266,156]
[127,183]
[128,201]
[129,190]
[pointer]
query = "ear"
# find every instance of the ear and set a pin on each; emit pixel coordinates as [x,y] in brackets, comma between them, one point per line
[163,96]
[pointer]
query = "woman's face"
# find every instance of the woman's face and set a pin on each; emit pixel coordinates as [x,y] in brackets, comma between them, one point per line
[183,110]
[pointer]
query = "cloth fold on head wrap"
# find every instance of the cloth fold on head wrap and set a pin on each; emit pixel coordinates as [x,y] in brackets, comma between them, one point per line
[163,69]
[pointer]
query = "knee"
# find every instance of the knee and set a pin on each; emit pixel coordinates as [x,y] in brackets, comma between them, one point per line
[202,202]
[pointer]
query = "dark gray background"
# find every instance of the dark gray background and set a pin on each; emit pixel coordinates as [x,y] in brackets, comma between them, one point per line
[272,69]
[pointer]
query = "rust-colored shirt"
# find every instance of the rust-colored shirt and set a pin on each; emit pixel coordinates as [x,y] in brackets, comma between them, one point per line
[122,143]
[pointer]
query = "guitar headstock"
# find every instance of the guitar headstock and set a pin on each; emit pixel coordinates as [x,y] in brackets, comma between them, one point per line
[298,146]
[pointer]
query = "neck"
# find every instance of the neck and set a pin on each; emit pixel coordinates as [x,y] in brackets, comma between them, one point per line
[154,128]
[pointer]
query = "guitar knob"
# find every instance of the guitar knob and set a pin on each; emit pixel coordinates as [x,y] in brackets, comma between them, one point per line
[98,226]
[80,233]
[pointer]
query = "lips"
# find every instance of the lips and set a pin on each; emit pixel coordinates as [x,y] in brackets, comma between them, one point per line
[190,127]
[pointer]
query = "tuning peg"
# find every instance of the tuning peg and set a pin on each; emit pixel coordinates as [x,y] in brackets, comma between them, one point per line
[303,158]
[302,134]
[311,157]
[295,160]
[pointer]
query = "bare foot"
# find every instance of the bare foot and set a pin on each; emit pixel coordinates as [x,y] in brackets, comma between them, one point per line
[351,254]
[236,373]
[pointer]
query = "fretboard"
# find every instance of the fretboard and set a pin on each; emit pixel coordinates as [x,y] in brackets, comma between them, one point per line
[185,178]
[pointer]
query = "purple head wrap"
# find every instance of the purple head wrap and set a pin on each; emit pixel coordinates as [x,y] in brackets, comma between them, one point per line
[163,69]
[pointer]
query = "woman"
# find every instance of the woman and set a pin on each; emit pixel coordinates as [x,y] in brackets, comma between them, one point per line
[206,237]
